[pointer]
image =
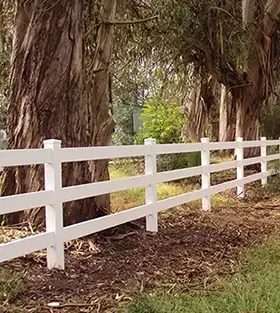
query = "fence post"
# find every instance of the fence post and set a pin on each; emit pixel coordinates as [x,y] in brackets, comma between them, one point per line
[151,189]
[240,168]
[54,212]
[205,177]
[263,162]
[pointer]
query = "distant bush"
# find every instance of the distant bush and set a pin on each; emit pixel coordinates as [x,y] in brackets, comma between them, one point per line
[162,120]
[271,122]
[168,162]
[123,134]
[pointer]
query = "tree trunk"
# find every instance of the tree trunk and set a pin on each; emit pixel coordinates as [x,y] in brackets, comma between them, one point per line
[259,73]
[196,112]
[198,105]
[227,116]
[213,110]
[47,98]
[248,120]
[102,123]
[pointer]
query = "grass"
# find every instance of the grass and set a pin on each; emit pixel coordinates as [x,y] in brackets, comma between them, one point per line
[254,289]
[136,196]
[11,285]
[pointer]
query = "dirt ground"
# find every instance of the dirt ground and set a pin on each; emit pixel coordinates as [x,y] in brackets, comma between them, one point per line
[108,270]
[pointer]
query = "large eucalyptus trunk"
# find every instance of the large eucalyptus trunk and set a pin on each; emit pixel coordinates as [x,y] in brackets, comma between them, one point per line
[197,104]
[248,119]
[248,123]
[101,120]
[227,116]
[195,127]
[259,73]
[47,98]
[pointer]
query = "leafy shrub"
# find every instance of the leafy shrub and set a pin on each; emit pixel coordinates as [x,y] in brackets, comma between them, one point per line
[123,134]
[162,120]
[168,162]
[271,122]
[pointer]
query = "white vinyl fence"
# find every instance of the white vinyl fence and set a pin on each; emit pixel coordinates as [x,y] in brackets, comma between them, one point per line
[54,195]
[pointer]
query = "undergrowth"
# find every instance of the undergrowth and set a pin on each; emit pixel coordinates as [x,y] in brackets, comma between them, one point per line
[11,286]
[136,196]
[255,289]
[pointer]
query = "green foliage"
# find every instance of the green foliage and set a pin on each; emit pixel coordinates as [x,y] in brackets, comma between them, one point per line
[162,120]
[169,162]
[254,289]
[271,122]
[124,134]
[11,285]
[3,221]
[136,196]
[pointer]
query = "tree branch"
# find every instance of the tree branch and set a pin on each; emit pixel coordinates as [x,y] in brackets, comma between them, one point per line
[131,22]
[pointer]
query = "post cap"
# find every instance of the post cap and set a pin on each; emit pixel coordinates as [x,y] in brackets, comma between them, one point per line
[52,142]
[150,141]
[204,140]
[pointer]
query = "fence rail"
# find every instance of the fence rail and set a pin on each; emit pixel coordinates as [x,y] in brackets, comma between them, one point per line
[54,195]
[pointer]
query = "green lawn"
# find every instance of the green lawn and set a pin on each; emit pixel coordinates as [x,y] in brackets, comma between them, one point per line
[254,289]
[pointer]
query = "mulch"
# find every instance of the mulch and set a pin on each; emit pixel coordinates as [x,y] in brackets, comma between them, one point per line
[191,249]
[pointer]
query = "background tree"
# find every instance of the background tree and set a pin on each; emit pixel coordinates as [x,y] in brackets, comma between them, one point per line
[259,19]
[208,37]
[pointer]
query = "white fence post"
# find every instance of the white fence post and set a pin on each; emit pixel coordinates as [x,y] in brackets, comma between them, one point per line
[263,162]
[205,178]
[54,212]
[151,189]
[240,167]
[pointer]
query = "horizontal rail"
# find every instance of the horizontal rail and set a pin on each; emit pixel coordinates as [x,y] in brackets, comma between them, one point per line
[179,174]
[250,161]
[272,157]
[103,153]
[102,188]
[250,144]
[105,222]
[21,247]
[178,148]
[254,177]
[179,200]
[222,166]
[25,201]
[272,142]
[223,187]
[24,157]
[222,145]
